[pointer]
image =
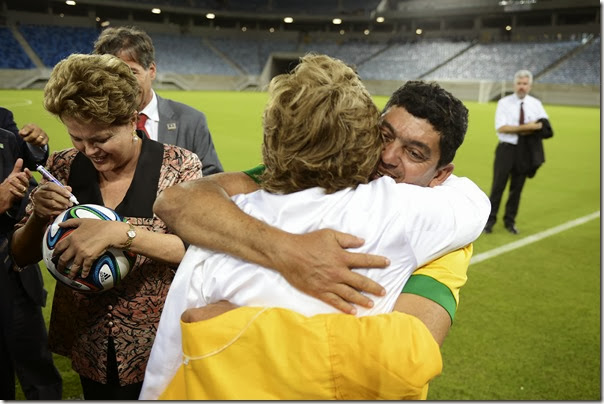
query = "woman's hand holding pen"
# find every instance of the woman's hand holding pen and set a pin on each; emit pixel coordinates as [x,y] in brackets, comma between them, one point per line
[50,199]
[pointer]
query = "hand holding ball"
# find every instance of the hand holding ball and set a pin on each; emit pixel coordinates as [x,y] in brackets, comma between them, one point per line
[107,270]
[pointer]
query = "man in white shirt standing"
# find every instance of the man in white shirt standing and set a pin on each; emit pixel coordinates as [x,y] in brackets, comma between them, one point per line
[163,120]
[516,115]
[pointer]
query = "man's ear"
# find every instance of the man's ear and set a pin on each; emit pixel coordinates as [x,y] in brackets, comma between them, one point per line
[441,175]
[153,70]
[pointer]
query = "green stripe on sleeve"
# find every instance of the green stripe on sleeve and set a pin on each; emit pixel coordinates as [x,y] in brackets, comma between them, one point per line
[255,173]
[432,289]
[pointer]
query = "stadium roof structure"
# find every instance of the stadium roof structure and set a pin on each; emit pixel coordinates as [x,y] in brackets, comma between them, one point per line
[387,16]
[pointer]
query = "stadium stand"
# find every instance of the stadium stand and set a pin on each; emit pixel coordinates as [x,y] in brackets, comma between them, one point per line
[251,54]
[13,55]
[187,54]
[240,56]
[54,43]
[410,60]
[497,61]
[195,53]
[353,52]
[233,56]
[582,68]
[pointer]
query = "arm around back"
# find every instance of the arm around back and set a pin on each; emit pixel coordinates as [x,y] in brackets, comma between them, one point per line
[315,263]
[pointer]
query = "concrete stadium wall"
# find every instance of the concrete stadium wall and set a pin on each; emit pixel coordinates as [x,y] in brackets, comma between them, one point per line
[477,91]
[172,81]
[485,91]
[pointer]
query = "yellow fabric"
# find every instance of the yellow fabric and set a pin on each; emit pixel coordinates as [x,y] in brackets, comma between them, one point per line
[254,353]
[450,270]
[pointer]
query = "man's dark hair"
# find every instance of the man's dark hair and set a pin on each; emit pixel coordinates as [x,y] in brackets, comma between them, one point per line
[135,43]
[446,113]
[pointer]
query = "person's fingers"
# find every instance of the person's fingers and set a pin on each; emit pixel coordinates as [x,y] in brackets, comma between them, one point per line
[361,283]
[50,207]
[75,270]
[33,134]
[347,240]
[359,260]
[65,264]
[86,266]
[17,192]
[19,181]
[16,186]
[61,191]
[353,296]
[48,200]
[337,302]
[18,166]
[73,222]
[362,260]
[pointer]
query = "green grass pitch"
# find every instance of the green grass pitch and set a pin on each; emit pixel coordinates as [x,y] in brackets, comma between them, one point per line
[528,324]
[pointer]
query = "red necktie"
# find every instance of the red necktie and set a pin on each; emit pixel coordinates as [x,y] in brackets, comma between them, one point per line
[521,120]
[140,123]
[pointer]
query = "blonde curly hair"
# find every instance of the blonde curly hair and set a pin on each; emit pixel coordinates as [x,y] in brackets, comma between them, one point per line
[320,129]
[98,89]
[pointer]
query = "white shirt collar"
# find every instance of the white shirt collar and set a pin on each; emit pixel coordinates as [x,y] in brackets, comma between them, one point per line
[151,109]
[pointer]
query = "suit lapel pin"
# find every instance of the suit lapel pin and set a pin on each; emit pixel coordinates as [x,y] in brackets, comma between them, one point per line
[171,126]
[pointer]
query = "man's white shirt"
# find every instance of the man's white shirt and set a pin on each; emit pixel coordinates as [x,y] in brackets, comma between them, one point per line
[508,113]
[410,225]
[152,112]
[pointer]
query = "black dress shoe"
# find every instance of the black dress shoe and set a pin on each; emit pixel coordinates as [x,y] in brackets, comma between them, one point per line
[512,228]
[488,229]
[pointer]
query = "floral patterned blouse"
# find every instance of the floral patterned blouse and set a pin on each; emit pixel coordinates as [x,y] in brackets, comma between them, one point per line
[82,323]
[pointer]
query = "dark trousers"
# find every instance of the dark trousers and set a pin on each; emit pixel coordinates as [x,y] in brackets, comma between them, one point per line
[7,370]
[33,363]
[112,390]
[504,169]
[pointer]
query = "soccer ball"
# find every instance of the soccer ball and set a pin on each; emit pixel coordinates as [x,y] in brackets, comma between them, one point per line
[107,270]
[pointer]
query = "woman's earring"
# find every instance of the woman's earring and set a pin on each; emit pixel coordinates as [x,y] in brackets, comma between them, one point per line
[134,136]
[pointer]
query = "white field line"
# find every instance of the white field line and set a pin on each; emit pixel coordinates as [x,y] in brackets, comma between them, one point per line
[23,103]
[534,238]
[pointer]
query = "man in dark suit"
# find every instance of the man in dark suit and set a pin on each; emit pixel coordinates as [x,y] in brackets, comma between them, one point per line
[23,339]
[161,119]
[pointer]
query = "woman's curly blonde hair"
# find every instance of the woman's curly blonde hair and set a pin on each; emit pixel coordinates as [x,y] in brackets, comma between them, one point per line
[98,89]
[320,129]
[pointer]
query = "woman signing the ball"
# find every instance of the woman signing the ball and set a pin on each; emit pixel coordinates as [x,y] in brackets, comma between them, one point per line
[108,335]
